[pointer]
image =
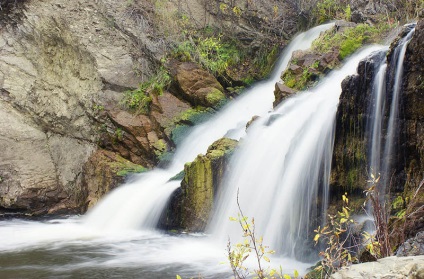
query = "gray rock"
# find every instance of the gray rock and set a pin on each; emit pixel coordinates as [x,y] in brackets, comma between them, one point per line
[387,268]
[412,247]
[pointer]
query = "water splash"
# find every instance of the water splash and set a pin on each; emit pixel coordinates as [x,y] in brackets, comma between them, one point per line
[283,164]
[392,126]
[139,204]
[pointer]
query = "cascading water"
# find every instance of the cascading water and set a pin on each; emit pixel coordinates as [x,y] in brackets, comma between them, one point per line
[282,164]
[383,126]
[109,240]
[299,134]
[377,109]
[392,126]
[140,203]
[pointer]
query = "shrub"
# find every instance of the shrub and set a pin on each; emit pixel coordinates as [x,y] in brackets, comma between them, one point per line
[211,52]
[139,100]
[335,236]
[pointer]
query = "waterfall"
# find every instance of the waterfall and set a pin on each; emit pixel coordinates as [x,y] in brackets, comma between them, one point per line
[139,204]
[392,126]
[282,168]
[383,126]
[377,109]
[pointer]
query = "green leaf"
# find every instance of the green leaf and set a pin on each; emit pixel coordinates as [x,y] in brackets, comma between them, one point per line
[178,277]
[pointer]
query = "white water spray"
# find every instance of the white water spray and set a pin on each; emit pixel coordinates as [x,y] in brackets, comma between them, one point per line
[140,203]
[379,90]
[282,165]
[392,126]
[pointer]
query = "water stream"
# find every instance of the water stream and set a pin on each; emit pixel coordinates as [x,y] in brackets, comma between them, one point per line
[282,164]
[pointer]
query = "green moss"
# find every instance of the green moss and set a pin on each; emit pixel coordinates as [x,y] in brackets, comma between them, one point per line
[194,116]
[124,167]
[352,178]
[160,147]
[179,133]
[210,51]
[178,176]
[215,97]
[139,99]
[265,59]
[350,39]
[297,82]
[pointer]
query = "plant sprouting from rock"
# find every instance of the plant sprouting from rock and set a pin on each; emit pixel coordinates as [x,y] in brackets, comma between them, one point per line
[379,244]
[337,237]
[252,244]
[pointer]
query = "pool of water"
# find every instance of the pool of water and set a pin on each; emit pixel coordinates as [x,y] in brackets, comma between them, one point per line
[64,248]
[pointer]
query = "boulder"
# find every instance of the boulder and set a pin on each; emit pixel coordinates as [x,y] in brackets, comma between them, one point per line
[412,247]
[388,268]
[196,85]
[191,205]
[281,92]
[102,172]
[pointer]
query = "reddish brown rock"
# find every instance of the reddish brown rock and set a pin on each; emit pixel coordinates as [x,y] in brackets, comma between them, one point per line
[281,92]
[196,85]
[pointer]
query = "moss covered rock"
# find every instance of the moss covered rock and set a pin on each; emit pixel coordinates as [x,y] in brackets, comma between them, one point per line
[104,171]
[197,85]
[191,205]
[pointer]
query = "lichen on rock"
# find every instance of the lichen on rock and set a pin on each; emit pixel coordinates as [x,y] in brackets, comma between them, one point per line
[191,205]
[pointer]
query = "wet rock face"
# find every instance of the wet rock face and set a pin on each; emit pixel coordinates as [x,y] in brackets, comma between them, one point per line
[191,205]
[350,153]
[349,167]
[411,158]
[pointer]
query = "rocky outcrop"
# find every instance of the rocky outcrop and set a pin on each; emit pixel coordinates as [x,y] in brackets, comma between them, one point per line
[104,171]
[197,85]
[191,205]
[410,171]
[412,247]
[349,167]
[64,68]
[389,268]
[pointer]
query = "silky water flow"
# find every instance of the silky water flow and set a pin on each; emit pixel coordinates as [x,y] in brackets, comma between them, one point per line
[282,163]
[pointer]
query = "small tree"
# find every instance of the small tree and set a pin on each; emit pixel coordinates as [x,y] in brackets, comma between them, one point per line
[238,254]
[338,237]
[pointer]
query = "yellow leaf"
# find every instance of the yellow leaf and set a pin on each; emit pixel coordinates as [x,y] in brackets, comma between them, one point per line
[296,273]
[343,220]
[272,272]
[286,276]
[316,237]
[178,277]
[233,219]
[266,259]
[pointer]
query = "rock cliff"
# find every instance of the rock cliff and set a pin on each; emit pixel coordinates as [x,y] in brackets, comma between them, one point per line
[65,67]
